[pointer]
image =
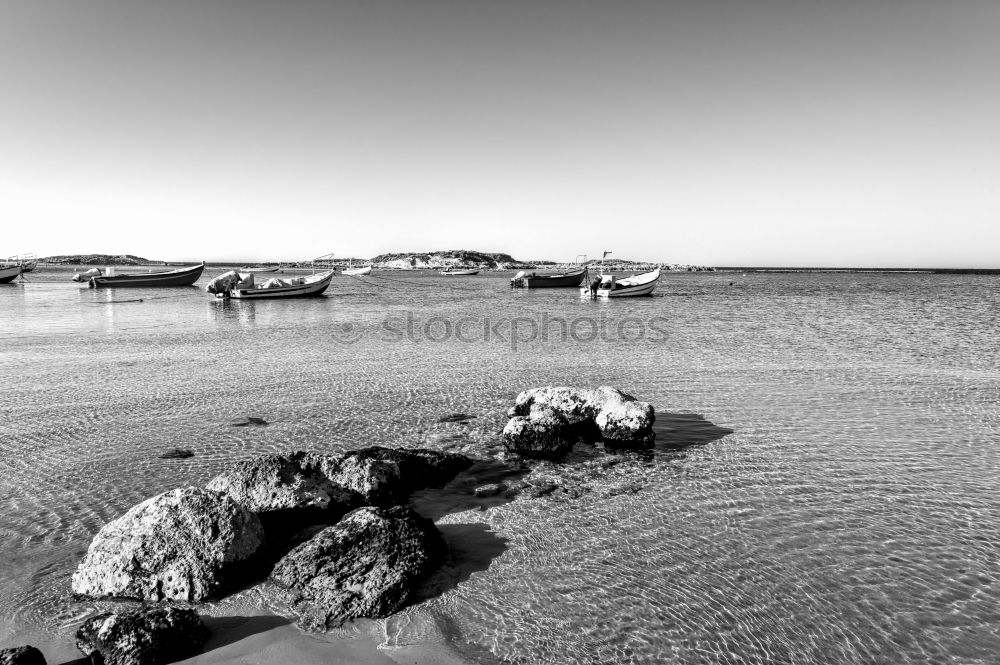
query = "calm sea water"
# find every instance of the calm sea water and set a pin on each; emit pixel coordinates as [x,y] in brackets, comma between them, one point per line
[824,487]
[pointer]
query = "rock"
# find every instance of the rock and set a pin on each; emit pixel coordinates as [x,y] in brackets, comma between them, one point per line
[455,418]
[249,420]
[544,433]
[627,422]
[26,655]
[177,453]
[387,476]
[618,416]
[289,481]
[574,404]
[186,544]
[367,565]
[490,489]
[142,637]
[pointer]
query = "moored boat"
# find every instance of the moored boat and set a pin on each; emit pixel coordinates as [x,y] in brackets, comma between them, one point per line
[9,273]
[296,287]
[460,271]
[256,270]
[180,277]
[609,286]
[352,271]
[570,278]
[28,262]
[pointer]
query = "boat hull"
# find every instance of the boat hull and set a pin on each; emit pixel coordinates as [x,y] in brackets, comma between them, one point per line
[357,271]
[9,274]
[182,277]
[261,270]
[460,273]
[309,289]
[566,280]
[642,285]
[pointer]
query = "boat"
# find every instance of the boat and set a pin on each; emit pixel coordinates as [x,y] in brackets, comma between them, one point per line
[180,277]
[257,270]
[570,278]
[296,287]
[610,286]
[9,273]
[352,271]
[460,271]
[86,275]
[28,262]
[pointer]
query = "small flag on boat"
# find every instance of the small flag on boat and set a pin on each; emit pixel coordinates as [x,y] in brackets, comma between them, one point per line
[605,254]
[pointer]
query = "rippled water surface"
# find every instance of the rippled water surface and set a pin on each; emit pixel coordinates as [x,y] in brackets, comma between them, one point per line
[824,487]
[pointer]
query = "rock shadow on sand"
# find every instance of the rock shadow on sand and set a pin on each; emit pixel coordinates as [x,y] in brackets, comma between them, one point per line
[676,431]
[227,630]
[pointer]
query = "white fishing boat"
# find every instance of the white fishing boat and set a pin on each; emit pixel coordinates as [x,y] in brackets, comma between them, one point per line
[351,270]
[258,270]
[245,289]
[609,286]
[460,271]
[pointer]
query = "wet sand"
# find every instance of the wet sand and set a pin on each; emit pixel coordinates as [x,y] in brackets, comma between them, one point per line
[268,639]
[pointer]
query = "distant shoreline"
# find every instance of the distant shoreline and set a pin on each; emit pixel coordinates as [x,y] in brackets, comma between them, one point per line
[73,260]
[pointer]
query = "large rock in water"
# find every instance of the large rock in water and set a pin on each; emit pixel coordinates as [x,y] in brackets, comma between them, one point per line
[387,476]
[288,482]
[544,432]
[26,655]
[142,637]
[367,565]
[619,417]
[186,544]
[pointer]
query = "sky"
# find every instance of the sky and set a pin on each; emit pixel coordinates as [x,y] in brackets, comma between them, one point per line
[747,132]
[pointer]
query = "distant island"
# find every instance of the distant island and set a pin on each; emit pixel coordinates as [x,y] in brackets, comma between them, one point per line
[436,260]
[99,259]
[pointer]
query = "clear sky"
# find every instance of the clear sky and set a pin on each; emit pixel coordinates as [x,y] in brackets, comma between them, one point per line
[747,132]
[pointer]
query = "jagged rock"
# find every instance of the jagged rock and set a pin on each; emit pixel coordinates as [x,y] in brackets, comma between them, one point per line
[186,544]
[386,476]
[618,416]
[367,565]
[544,432]
[290,481]
[26,655]
[142,637]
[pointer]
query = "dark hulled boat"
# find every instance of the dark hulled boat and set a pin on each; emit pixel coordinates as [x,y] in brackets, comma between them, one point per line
[570,278]
[179,277]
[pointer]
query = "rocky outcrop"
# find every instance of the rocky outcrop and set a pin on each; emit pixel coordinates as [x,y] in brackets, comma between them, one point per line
[619,417]
[142,637]
[26,655]
[367,565]
[387,476]
[285,482]
[543,432]
[188,544]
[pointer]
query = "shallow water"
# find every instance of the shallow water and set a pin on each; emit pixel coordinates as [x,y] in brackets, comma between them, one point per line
[823,490]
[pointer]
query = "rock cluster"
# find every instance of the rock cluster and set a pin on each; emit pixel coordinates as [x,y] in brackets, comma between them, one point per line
[546,422]
[193,544]
[142,637]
